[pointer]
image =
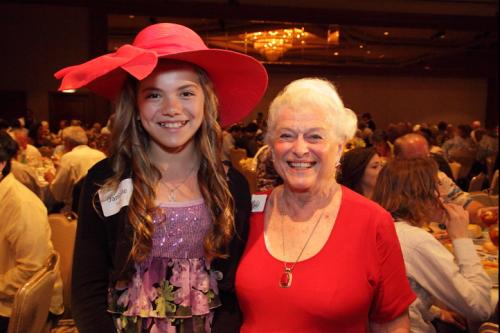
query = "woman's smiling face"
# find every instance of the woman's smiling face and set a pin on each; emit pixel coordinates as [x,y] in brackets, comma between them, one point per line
[305,152]
[171,106]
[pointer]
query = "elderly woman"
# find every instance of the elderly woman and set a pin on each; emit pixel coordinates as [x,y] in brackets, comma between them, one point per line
[320,257]
[408,189]
[359,169]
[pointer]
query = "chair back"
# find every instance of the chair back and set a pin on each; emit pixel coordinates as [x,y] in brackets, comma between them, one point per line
[32,301]
[63,228]
[455,169]
[488,327]
[484,198]
[466,163]
[236,155]
[476,183]
[494,184]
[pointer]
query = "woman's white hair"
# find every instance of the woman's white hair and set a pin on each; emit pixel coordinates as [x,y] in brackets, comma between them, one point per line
[311,93]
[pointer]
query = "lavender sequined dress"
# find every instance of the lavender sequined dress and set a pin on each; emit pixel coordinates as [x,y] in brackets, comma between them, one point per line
[174,290]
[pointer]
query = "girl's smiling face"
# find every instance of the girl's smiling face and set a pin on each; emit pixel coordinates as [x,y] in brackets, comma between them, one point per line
[171,106]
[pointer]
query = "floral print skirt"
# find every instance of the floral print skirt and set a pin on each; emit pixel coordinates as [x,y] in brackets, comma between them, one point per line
[166,295]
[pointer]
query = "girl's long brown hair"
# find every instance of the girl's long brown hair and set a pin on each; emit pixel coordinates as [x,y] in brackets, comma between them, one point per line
[408,189]
[129,159]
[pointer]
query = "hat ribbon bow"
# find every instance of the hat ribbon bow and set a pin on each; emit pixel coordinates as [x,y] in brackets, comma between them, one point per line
[138,62]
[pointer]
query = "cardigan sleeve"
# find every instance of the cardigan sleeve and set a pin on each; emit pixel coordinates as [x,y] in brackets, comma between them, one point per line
[228,317]
[91,266]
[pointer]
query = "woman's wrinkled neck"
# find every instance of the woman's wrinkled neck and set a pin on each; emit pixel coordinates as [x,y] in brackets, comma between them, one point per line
[302,204]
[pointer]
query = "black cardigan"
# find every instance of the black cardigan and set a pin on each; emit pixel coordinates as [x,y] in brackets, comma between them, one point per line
[103,244]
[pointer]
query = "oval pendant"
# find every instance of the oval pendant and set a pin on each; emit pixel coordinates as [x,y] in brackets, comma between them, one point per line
[286,279]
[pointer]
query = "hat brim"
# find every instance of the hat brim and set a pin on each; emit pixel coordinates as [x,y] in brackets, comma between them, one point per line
[239,80]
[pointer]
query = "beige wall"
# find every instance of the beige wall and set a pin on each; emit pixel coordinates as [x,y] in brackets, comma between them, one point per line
[393,99]
[38,40]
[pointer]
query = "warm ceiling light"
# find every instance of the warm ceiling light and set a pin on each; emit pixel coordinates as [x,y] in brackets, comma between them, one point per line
[131,16]
[68,91]
[333,37]
[273,44]
[361,46]
[335,53]
[368,51]
[386,33]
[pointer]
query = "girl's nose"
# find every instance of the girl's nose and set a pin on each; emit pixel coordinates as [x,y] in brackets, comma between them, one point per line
[170,107]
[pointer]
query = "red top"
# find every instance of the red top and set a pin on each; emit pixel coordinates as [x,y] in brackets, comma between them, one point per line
[358,276]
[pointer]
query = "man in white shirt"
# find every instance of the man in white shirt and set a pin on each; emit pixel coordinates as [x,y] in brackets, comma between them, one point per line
[25,243]
[28,154]
[73,165]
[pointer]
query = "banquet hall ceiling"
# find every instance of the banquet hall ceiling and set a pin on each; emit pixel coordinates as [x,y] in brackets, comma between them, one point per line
[446,36]
[443,36]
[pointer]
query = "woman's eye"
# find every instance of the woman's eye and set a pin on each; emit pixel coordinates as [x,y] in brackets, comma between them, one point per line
[315,137]
[285,136]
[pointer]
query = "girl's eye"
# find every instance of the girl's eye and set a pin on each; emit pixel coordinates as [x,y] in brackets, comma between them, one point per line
[187,93]
[152,95]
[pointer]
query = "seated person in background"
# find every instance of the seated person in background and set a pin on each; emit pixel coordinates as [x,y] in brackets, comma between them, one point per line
[250,143]
[27,175]
[368,120]
[24,236]
[73,165]
[28,154]
[227,144]
[382,145]
[408,189]
[436,152]
[414,145]
[267,177]
[460,144]
[359,169]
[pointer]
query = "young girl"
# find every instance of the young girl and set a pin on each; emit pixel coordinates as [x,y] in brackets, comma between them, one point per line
[157,219]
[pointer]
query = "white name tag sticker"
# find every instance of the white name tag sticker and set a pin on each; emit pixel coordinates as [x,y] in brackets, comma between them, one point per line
[113,201]
[258,202]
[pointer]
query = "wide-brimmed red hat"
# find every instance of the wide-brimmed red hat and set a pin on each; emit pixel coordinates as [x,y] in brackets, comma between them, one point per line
[239,80]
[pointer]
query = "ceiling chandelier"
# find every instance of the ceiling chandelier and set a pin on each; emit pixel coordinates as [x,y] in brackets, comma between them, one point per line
[273,44]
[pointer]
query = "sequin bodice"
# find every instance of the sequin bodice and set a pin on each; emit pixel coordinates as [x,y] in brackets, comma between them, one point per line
[180,230]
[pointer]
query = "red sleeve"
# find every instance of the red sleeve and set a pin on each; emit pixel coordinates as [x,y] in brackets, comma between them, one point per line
[393,294]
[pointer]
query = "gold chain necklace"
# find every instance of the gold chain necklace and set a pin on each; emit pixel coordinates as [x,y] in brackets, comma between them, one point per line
[172,190]
[287,275]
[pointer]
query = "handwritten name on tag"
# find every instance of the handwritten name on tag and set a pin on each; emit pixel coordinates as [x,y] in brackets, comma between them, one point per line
[258,202]
[113,201]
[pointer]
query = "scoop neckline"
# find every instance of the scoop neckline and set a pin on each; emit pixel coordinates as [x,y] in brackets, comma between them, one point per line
[330,236]
[180,204]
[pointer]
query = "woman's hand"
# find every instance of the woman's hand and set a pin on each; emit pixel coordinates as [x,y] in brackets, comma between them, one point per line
[457,221]
[451,317]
